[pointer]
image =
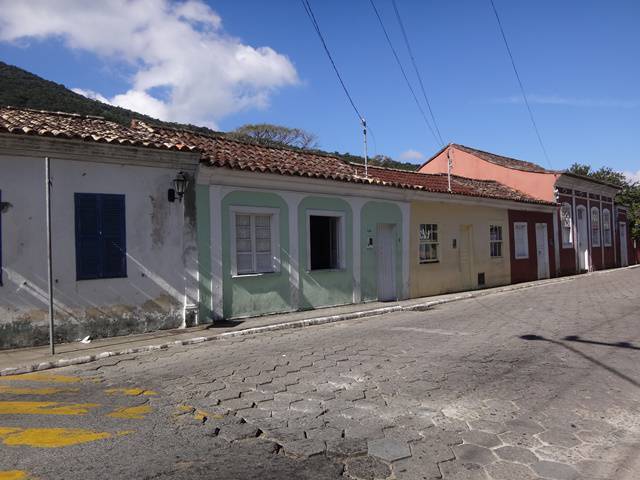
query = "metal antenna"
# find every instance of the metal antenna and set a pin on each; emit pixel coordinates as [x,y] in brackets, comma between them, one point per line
[366,158]
[449,166]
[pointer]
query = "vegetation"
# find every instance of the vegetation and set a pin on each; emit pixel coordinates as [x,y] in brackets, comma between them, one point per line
[629,195]
[19,88]
[276,134]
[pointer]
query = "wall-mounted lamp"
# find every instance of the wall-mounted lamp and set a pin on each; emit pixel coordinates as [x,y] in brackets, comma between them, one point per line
[179,186]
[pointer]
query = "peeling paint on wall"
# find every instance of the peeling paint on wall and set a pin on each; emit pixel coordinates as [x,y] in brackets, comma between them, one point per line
[5,206]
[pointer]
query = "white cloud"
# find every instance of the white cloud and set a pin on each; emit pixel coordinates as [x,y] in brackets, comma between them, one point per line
[411,155]
[570,101]
[633,176]
[177,47]
[91,94]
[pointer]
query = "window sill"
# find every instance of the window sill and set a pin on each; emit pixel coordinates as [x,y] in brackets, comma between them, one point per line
[318,270]
[252,275]
[427,262]
[521,258]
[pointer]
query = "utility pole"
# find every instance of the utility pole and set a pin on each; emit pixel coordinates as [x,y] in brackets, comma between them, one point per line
[366,158]
[449,165]
[47,167]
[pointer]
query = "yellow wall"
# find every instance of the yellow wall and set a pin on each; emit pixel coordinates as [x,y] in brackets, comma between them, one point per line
[449,274]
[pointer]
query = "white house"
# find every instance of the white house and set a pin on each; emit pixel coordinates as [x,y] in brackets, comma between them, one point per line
[123,254]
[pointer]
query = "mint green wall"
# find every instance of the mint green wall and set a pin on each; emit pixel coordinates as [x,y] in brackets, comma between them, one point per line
[372,214]
[259,294]
[203,238]
[325,287]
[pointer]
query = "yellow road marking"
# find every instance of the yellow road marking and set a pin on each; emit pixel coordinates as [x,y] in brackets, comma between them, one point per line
[131,412]
[133,392]
[13,475]
[41,377]
[198,414]
[51,437]
[45,408]
[36,391]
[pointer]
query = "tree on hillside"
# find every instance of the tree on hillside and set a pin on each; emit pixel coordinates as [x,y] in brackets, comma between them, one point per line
[628,196]
[268,133]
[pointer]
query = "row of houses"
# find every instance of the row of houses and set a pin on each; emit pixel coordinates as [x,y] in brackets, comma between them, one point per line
[156,228]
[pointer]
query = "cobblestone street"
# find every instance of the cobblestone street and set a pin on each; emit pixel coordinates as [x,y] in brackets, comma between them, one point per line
[541,383]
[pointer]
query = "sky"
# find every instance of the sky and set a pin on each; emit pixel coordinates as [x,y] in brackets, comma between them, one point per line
[225,63]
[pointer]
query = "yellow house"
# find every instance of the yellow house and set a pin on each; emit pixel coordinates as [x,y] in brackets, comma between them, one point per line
[461,234]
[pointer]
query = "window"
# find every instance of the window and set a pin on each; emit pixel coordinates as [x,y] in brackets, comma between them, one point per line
[254,243]
[325,242]
[495,240]
[606,227]
[428,242]
[100,236]
[595,227]
[566,221]
[521,240]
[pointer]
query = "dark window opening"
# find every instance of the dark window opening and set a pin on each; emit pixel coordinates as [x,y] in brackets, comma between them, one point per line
[100,236]
[481,280]
[323,242]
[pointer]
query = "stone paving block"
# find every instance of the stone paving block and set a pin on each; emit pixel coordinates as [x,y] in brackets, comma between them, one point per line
[257,397]
[363,430]
[599,470]
[254,413]
[473,454]
[510,471]
[454,470]
[388,449]
[239,431]
[555,471]
[524,440]
[516,454]
[487,426]
[285,435]
[324,433]
[367,468]
[347,447]
[558,437]
[227,394]
[304,448]
[524,426]
[484,439]
[402,433]
[238,403]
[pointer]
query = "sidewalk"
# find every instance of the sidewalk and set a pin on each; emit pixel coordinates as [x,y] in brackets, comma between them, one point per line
[24,360]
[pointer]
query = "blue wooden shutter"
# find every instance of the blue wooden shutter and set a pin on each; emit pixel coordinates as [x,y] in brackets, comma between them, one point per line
[113,236]
[87,236]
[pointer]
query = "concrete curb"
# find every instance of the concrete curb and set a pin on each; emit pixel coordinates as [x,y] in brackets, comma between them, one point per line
[64,362]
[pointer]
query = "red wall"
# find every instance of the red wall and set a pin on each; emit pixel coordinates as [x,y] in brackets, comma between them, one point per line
[525,270]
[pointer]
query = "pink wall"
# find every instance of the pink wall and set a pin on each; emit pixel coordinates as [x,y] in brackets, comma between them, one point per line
[538,185]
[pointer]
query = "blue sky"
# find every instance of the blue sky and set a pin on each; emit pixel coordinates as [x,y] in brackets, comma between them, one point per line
[578,60]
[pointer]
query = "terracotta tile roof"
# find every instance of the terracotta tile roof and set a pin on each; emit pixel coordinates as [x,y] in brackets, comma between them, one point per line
[221,151]
[502,161]
[23,121]
[438,183]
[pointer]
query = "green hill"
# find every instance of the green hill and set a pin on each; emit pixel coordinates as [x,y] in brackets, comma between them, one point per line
[19,88]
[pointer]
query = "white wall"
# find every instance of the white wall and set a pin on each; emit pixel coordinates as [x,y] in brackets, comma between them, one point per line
[153,294]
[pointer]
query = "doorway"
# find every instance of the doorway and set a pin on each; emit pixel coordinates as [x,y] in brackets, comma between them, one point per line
[624,253]
[542,249]
[386,261]
[583,238]
[466,257]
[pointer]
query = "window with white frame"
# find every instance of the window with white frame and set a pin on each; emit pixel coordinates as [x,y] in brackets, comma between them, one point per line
[606,227]
[595,227]
[254,242]
[521,240]
[566,221]
[325,241]
[495,240]
[428,243]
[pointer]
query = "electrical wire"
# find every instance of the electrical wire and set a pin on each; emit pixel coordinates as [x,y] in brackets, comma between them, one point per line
[524,95]
[314,22]
[404,74]
[415,67]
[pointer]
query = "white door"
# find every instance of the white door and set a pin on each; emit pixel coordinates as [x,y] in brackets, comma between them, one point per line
[385,253]
[583,239]
[542,248]
[624,254]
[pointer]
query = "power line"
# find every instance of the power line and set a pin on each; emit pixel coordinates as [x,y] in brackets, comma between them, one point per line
[524,95]
[404,74]
[415,67]
[314,22]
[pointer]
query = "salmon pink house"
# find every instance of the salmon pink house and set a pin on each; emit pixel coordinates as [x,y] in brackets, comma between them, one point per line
[588,230]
